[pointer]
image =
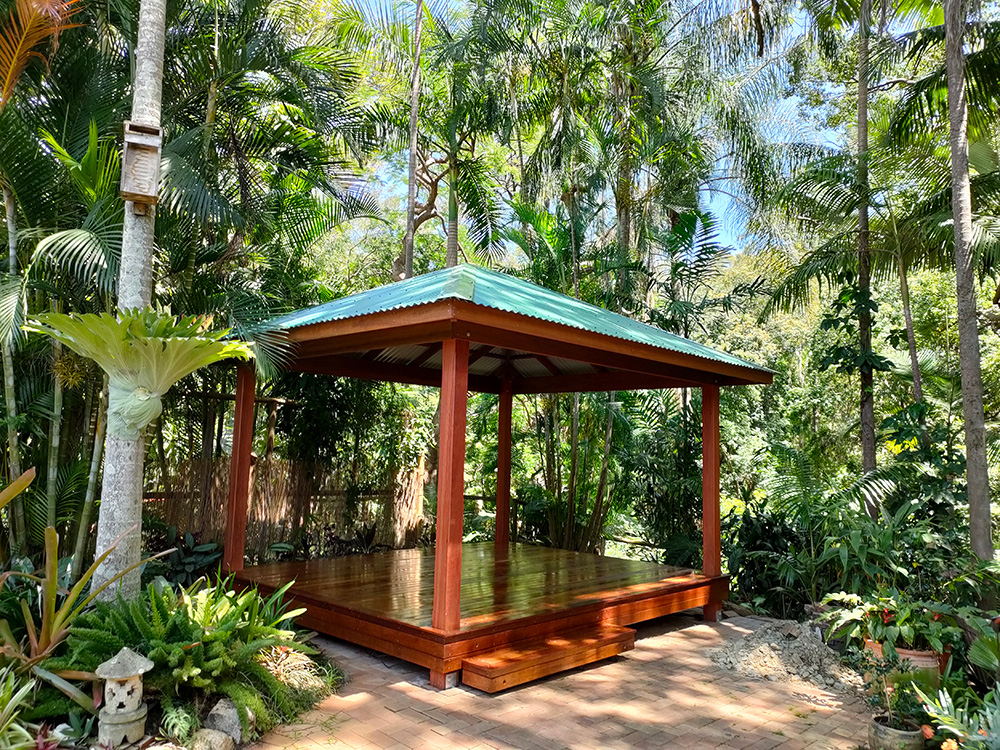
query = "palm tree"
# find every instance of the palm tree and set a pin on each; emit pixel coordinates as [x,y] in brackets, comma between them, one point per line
[31,25]
[977,462]
[411,175]
[124,453]
[866,371]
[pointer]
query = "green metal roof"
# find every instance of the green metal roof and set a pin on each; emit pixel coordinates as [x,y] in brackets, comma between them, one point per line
[501,291]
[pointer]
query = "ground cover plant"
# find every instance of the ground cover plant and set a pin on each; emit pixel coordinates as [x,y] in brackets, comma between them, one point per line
[205,642]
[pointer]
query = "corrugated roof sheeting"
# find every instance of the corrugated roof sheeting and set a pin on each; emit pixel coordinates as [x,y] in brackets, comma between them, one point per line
[500,291]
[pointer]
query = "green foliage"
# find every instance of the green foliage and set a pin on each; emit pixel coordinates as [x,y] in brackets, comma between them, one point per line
[143,352]
[60,608]
[204,641]
[186,562]
[846,357]
[179,721]
[973,721]
[15,693]
[888,690]
[892,620]
[665,479]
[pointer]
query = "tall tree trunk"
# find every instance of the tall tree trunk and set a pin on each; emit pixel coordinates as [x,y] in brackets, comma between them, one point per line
[83,528]
[20,528]
[121,493]
[55,439]
[569,531]
[596,524]
[970,366]
[867,375]
[911,341]
[411,185]
[451,246]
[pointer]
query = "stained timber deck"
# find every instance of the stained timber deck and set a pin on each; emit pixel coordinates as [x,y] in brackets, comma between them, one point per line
[384,601]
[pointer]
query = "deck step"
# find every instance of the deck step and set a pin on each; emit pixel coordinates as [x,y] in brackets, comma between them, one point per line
[529,660]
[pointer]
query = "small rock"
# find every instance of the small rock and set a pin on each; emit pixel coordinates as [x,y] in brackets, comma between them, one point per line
[225,717]
[211,739]
[790,631]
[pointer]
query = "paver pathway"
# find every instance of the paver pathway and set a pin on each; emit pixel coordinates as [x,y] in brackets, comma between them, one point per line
[665,694]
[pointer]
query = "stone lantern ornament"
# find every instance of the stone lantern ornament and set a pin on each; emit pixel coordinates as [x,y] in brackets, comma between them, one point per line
[122,721]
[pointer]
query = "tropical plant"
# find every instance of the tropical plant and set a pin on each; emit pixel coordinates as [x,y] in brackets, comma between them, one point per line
[897,701]
[892,620]
[15,692]
[187,561]
[143,352]
[977,463]
[58,609]
[30,25]
[205,641]
[974,722]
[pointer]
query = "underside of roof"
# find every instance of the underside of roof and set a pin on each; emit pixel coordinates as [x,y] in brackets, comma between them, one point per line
[542,340]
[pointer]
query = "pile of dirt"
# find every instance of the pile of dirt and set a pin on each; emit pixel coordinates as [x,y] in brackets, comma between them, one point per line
[788,651]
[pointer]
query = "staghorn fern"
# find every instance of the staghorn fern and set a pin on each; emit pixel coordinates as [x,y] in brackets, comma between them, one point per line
[144,353]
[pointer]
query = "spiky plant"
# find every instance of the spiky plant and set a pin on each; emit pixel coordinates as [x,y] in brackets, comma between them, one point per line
[291,667]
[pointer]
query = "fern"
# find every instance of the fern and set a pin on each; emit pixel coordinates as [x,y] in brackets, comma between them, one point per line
[248,701]
[180,720]
[203,642]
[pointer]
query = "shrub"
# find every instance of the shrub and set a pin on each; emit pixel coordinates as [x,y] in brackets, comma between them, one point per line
[205,642]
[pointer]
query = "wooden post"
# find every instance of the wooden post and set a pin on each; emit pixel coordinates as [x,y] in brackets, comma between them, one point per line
[711,520]
[451,486]
[239,468]
[502,537]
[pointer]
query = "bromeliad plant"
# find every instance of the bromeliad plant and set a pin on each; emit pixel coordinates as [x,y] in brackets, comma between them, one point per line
[892,620]
[14,694]
[59,609]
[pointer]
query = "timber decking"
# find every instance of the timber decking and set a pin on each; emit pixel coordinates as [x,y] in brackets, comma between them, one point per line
[509,666]
[385,601]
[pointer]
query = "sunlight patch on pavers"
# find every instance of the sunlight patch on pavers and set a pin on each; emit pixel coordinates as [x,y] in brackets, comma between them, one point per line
[664,693]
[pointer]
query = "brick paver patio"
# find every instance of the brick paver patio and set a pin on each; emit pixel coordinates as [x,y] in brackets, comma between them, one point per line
[665,694]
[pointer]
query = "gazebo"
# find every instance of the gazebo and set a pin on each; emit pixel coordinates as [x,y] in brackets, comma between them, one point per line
[500,613]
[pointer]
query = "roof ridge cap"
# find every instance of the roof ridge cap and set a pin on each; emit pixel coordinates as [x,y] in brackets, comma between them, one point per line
[461,284]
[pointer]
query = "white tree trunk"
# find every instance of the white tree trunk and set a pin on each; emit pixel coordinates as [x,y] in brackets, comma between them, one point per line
[55,442]
[451,241]
[121,510]
[977,467]
[867,375]
[121,492]
[135,280]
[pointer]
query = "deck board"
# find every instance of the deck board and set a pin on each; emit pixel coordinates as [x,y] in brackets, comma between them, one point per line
[399,585]
[384,601]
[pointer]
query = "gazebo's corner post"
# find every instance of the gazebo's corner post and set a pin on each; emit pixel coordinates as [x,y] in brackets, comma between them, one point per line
[239,469]
[504,436]
[711,519]
[446,614]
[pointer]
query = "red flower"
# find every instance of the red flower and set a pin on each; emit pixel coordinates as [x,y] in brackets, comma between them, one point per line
[937,616]
[928,731]
[886,616]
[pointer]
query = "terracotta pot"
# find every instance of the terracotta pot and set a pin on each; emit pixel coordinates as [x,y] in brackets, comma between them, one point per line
[928,666]
[883,737]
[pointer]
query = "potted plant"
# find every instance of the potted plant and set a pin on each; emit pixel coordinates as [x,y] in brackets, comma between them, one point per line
[889,625]
[900,716]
